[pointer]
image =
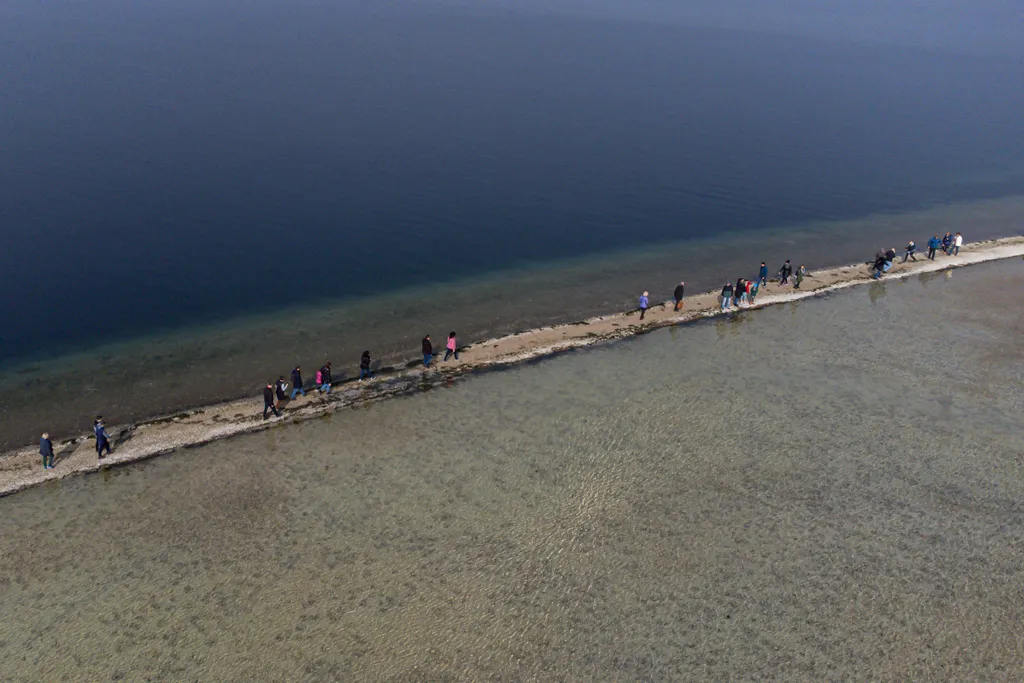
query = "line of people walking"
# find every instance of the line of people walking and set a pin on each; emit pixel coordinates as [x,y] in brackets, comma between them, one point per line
[276,392]
[949,244]
[743,292]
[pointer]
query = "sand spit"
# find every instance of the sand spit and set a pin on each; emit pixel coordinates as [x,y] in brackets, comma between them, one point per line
[22,469]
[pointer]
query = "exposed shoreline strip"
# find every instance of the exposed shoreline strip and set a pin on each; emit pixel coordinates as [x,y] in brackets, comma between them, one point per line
[22,469]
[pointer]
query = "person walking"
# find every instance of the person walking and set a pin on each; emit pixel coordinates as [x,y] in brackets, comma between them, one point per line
[801,273]
[762,275]
[297,382]
[268,401]
[280,387]
[947,243]
[102,438]
[46,450]
[323,379]
[887,259]
[643,304]
[452,347]
[678,294]
[726,295]
[933,244]
[958,242]
[428,351]
[364,366]
[879,267]
[784,272]
[911,249]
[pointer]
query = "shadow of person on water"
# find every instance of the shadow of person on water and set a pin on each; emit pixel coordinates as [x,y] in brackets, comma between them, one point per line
[876,291]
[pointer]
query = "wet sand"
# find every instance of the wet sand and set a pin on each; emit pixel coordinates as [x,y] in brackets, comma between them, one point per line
[145,439]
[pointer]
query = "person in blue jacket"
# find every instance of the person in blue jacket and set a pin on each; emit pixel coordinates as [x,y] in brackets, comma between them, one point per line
[46,450]
[643,304]
[933,244]
[102,439]
[762,275]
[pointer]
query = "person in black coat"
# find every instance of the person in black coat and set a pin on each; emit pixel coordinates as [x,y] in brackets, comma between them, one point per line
[364,366]
[323,378]
[297,382]
[678,294]
[268,401]
[784,272]
[428,351]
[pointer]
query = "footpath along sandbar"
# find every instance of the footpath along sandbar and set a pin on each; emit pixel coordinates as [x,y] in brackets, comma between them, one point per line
[22,468]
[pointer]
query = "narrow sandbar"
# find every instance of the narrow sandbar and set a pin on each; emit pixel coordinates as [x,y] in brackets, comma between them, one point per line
[22,468]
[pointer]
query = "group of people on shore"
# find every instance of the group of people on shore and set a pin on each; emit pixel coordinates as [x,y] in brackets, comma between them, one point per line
[949,244]
[744,291]
[276,392]
[98,430]
[273,394]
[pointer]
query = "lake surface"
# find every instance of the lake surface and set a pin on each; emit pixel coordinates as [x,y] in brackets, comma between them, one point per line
[198,196]
[823,489]
[170,164]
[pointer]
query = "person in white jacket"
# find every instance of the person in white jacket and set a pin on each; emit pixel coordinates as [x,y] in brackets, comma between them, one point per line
[958,242]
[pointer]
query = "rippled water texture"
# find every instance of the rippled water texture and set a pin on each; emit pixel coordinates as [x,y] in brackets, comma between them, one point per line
[827,489]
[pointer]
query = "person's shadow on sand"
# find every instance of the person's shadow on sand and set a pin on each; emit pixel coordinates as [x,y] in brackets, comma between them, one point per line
[63,455]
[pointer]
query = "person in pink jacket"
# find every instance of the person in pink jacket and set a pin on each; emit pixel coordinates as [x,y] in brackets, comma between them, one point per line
[453,349]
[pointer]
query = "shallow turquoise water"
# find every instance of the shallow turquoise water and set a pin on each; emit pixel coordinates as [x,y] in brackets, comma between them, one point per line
[825,489]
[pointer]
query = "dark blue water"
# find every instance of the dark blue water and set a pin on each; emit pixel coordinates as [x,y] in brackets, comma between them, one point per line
[164,164]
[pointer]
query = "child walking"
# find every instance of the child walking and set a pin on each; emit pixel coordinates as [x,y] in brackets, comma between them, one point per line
[453,349]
